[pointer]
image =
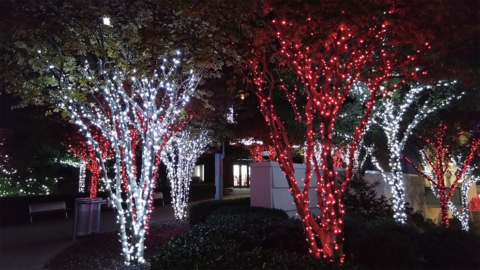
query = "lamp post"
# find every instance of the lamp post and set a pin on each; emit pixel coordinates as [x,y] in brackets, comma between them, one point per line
[265,156]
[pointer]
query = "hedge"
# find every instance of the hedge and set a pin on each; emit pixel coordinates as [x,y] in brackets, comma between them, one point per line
[199,212]
[241,238]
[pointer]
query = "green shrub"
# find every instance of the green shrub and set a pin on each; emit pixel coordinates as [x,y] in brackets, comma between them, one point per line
[199,212]
[362,201]
[382,244]
[201,191]
[241,238]
[420,221]
[259,227]
[474,227]
[450,248]
[249,210]
[227,256]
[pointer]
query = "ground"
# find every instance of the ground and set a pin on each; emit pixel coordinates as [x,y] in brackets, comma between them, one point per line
[103,251]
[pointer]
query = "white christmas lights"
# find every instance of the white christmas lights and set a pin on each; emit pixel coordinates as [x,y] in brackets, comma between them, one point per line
[180,155]
[467,180]
[121,107]
[389,119]
[81,175]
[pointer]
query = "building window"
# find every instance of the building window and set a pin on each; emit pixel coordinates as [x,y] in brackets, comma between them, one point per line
[199,172]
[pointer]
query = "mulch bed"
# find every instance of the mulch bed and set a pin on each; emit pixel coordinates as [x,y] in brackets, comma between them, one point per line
[103,251]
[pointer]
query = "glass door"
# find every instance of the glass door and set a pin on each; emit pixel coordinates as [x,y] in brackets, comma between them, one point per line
[241,175]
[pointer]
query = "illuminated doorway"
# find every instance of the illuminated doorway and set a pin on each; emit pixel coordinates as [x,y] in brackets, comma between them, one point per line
[241,174]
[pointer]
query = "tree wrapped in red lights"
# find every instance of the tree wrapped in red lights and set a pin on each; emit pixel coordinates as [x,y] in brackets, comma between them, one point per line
[326,69]
[437,161]
[85,152]
[329,46]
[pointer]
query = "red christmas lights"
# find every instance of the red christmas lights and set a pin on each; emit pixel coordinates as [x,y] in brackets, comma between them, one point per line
[79,147]
[326,70]
[474,204]
[438,159]
[256,151]
[338,158]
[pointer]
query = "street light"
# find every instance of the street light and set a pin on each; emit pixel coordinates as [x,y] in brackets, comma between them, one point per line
[106,21]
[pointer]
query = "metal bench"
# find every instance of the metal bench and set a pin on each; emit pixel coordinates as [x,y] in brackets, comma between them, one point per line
[159,196]
[47,207]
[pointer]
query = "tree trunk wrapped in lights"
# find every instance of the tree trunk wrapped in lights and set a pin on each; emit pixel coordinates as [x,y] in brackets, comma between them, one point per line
[87,154]
[326,71]
[122,106]
[389,119]
[180,155]
[467,180]
[436,162]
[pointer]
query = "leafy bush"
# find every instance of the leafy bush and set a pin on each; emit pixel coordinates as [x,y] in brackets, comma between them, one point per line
[450,248]
[385,244]
[199,212]
[420,221]
[362,201]
[260,227]
[474,227]
[241,238]
[201,191]
[382,244]
[249,210]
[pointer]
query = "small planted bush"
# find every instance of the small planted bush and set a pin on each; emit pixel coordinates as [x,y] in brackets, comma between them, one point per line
[450,248]
[382,244]
[241,238]
[199,212]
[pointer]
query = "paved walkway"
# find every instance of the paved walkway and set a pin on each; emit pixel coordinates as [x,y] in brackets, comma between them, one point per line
[30,246]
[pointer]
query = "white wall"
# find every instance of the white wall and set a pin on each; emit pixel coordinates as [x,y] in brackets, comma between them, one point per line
[413,184]
[269,188]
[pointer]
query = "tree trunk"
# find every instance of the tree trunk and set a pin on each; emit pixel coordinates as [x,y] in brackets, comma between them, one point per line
[444,206]
[398,196]
[332,211]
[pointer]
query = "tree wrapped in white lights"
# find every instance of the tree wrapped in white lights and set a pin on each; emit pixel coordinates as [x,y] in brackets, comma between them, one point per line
[390,118]
[180,155]
[437,162]
[122,106]
[468,179]
[463,172]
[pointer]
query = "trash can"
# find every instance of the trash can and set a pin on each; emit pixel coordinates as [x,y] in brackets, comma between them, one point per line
[87,216]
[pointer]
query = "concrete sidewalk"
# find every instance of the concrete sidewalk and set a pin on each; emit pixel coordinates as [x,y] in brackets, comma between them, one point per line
[30,246]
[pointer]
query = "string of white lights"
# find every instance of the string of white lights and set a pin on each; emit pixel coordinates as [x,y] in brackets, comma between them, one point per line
[120,103]
[389,119]
[467,180]
[82,172]
[180,155]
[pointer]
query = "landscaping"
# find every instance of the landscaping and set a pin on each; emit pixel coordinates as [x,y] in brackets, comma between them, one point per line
[354,126]
[102,251]
[240,237]
[231,235]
